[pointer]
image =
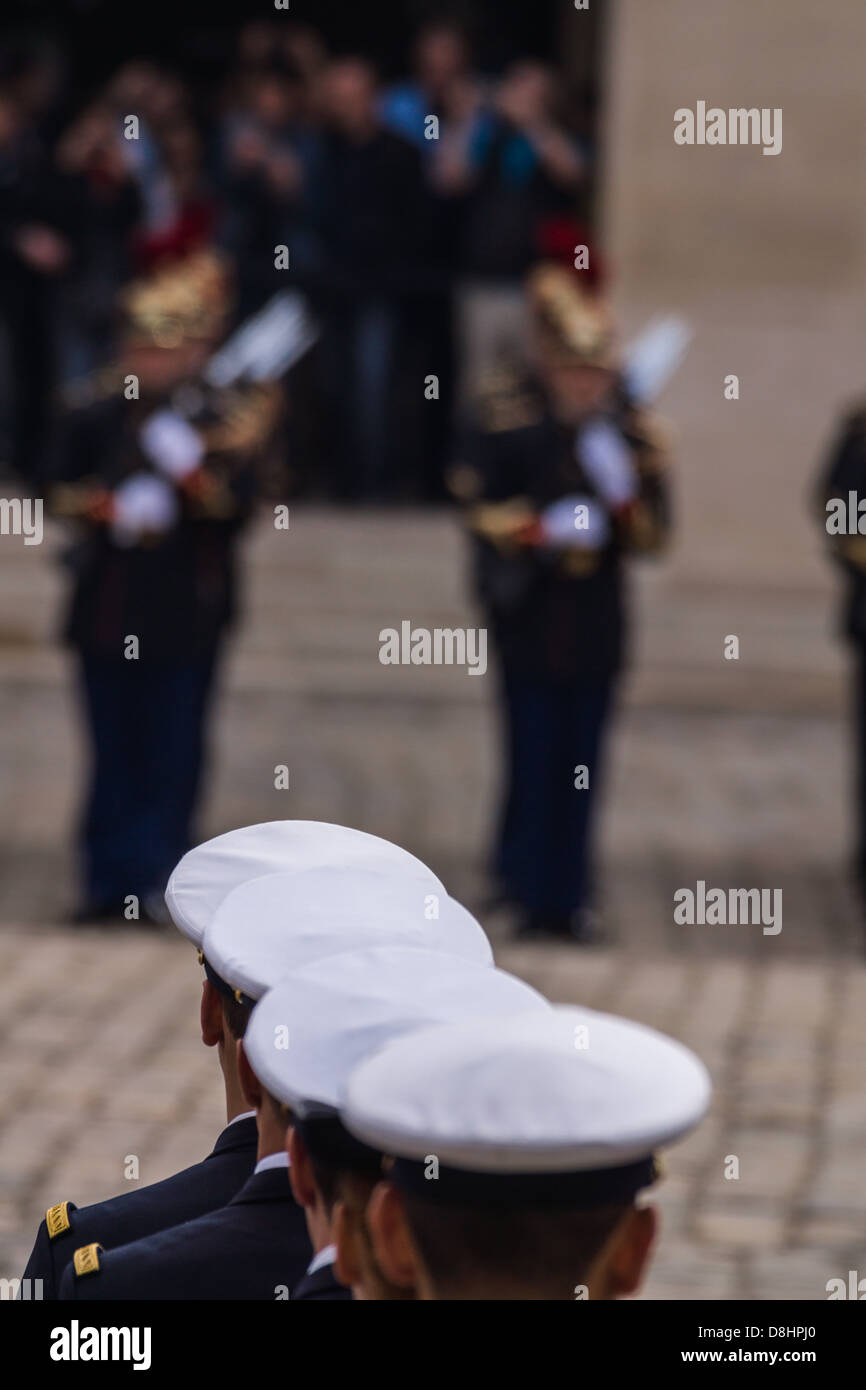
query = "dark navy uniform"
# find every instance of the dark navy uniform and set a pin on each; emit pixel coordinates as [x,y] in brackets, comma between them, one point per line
[191,1193]
[320,1285]
[557,614]
[256,1247]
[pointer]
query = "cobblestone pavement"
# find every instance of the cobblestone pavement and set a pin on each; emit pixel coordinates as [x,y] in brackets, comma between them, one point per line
[730,772]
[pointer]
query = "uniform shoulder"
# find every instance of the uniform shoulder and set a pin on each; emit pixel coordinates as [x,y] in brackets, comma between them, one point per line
[58,1219]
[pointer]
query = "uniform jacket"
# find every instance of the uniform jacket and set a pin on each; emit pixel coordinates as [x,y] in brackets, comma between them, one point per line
[319,1286]
[256,1247]
[175,591]
[188,1194]
[556,614]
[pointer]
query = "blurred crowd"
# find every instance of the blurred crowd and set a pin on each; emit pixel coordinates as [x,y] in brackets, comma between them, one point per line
[409,214]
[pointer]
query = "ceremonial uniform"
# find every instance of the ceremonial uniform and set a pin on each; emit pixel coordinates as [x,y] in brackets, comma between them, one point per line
[256,1247]
[553,510]
[160,482]
[845,474]
[320,1283]
[186,1195]
[558,615]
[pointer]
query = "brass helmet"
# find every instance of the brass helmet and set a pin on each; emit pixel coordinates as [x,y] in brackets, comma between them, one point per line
[186,300]
[572,323]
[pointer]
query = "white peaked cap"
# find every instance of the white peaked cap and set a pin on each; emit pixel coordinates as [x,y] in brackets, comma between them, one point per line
[273,925]
[306,1035]
[565,1090]
[206,874]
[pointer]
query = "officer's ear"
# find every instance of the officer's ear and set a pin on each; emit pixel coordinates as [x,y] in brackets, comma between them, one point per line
[623,1261]
[391,1237]
[301,1178]
[250,1085]
[212,1022]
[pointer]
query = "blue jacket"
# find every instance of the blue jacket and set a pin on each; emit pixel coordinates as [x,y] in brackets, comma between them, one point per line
[256,1247]
[202,1188]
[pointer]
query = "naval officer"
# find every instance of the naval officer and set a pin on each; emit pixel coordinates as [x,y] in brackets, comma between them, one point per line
[335,1011]
[519,1149]
[256,1246]
[199,883]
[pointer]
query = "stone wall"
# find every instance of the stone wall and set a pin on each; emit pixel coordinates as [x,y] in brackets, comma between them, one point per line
[766,256]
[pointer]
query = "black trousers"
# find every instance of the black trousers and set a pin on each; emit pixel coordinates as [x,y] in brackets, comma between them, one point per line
[146,724]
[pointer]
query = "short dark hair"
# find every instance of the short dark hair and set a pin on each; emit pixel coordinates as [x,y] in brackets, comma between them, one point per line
[549,1250]
[327,1179]
[236,1015]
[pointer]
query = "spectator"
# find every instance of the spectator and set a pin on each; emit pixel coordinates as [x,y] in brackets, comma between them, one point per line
[108,203]
[35,251]
[268,160]
[372,210]
[443,80]
[514,167]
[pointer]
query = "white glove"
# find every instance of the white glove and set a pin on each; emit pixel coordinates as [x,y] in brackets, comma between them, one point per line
[578,522]
[144,503]
[172,444]
[606,460]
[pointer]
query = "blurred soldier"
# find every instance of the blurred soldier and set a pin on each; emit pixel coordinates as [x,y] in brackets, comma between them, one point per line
[562,478]
[519,1147]
[160,475]
[842,493]
[199,884]
[334,1012]
[256,1246]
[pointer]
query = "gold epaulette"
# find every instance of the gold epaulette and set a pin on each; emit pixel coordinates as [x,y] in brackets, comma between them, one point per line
[57,1220]
[86,1259]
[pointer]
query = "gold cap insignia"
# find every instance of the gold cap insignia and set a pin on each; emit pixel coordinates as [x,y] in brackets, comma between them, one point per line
[86,1259]
[573,323]
[188,299]
[200,956]
[57,1219]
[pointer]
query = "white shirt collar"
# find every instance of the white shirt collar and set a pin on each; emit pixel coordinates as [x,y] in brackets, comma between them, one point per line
[247,1115]
[326,1256]
[277,1160]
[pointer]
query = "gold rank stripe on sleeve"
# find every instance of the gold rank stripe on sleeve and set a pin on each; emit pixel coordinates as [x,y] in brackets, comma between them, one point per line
[57,1220]
[86,1259]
